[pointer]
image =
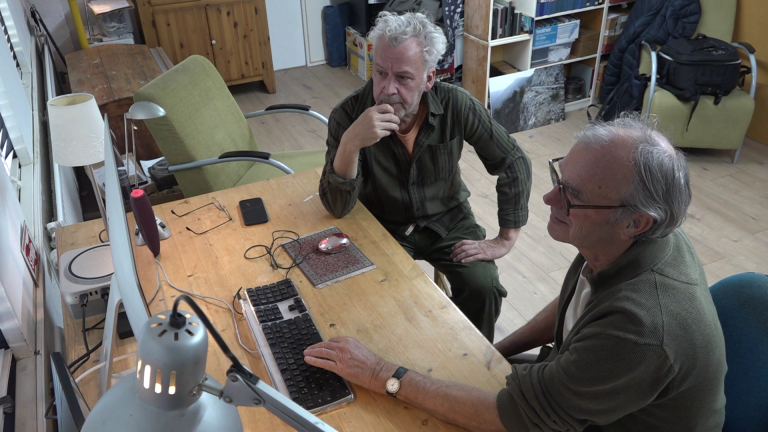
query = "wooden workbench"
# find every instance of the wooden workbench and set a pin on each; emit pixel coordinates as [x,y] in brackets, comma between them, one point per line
[394,309]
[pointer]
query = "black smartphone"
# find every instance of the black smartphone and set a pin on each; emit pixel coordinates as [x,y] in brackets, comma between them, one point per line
[253,211]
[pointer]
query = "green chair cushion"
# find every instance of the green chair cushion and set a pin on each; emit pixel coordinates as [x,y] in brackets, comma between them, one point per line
[203,121]
[298,161]
[721,126]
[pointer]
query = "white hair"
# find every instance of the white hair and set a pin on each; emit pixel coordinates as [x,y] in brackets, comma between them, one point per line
[399,28]
[661,186]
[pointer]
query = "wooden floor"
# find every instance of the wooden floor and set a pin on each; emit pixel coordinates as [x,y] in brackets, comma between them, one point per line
[727,221]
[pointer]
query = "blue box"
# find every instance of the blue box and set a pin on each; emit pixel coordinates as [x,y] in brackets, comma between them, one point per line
[555,32]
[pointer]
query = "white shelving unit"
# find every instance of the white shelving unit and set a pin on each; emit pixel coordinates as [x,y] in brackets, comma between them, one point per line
[480,51]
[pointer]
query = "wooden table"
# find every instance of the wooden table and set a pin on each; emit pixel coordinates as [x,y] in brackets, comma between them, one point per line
[112,74]
[395,309]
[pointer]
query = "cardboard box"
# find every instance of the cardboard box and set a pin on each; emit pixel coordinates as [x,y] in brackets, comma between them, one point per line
[359,54]
[586,44]
[614,22]
[601,70]
[556,31]
[550,54]
[609,41]
[502,68]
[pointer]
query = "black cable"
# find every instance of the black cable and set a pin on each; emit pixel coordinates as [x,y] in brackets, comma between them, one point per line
[176,320]
[92,350]
[100,239]
[85,340]
[237,296]
[271,251]
[93,327]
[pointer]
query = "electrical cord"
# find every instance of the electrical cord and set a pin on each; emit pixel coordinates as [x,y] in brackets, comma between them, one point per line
[101,239]
[271,251]
[84,306]
[177,320]
[201,296]
[157,290]
[101,365]
[237,297]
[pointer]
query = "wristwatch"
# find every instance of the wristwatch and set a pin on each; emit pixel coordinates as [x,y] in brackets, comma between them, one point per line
[393,384]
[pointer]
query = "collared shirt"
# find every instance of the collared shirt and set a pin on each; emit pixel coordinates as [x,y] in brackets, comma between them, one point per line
[427,190]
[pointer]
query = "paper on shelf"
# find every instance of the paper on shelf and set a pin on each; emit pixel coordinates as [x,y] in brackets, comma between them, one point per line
[104,6]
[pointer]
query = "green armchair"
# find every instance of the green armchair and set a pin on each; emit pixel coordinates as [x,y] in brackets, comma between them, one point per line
[205,137]
[721,126]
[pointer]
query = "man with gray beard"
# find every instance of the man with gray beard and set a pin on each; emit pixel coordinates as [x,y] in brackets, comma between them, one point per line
[395,145]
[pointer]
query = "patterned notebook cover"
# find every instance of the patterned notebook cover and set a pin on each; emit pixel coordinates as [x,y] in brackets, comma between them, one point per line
[325,269]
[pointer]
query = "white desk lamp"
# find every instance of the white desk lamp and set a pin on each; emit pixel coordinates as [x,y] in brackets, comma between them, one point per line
[171,391]
[77,134]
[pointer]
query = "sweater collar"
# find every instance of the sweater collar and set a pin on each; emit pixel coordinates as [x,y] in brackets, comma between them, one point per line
[639,258]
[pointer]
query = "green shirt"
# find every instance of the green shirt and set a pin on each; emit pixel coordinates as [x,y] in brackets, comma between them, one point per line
[427,190]
[647,354]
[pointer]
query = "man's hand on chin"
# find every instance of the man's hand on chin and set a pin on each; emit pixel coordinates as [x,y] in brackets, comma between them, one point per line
[467,251]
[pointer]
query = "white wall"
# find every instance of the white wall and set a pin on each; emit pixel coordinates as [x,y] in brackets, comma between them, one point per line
[286,33]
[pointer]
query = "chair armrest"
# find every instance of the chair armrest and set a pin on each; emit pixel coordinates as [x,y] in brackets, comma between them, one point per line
[654,70]
[234,156]
[288,108]
[753,63]
[245,153]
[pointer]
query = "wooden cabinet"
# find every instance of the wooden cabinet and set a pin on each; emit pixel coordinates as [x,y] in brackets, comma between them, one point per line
[233,35]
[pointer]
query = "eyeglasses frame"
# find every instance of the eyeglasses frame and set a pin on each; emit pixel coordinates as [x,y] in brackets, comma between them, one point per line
[214,202]
[557,181]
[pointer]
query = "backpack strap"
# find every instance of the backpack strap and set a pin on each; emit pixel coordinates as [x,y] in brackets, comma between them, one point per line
[695,104]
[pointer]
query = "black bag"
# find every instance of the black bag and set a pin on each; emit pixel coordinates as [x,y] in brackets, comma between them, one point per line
[336,20]
[689,68]
[626,96]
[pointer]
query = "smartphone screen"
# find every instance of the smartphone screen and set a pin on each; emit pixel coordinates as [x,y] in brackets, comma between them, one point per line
[253,211]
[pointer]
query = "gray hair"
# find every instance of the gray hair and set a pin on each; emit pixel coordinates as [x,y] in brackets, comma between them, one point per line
[399,28]
[661,187]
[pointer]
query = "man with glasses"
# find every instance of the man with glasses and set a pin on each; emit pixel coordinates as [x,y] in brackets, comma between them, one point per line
[637,344]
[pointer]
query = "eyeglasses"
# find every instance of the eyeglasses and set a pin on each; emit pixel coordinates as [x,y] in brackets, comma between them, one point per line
[556,181]
[214,202]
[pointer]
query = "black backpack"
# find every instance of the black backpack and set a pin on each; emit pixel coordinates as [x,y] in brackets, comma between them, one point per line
[689,68]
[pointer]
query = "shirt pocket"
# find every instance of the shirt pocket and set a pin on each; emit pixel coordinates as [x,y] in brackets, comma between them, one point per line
[440,162]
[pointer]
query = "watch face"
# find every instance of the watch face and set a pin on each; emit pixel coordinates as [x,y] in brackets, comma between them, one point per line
[393,385]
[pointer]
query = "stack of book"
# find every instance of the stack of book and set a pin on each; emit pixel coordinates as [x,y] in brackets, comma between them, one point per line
[549,7]
[506,21]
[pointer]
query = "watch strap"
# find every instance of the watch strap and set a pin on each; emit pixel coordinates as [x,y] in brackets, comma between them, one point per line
[398,375]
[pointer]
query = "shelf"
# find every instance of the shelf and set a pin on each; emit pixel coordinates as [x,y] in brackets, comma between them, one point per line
[573,11]
[578,104]
[568,60]
[510,39]
[622,3]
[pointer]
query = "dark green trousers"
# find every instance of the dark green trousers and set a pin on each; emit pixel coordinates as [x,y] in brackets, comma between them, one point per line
[476,288]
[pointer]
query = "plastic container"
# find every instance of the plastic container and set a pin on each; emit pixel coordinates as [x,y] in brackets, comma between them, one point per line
[115,23]
[550,54]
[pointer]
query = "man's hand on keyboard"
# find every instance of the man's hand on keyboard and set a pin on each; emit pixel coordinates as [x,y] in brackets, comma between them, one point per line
[351,360]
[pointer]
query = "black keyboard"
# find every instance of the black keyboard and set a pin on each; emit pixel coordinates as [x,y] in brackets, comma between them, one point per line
[283,328]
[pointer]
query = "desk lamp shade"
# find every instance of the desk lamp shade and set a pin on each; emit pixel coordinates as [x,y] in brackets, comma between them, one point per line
[166,393]
[77,130]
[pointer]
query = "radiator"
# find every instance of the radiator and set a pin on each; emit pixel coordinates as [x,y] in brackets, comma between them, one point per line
[64,183]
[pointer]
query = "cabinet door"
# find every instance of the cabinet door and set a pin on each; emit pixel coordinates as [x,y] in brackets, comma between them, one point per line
[183,32]
[240,39]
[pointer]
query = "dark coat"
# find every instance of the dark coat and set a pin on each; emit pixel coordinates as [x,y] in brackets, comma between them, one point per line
[653,21]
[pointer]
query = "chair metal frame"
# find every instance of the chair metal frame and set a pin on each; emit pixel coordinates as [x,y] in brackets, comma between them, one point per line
[652,48]
[255,156]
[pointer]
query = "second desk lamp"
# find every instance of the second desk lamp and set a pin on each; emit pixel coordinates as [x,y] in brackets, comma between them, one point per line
[142,110]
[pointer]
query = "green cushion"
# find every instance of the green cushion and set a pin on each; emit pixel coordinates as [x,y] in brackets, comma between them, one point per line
[203,121]
[721,126]
[298,161]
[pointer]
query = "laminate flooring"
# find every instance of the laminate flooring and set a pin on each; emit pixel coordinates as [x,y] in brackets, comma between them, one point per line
[727,220]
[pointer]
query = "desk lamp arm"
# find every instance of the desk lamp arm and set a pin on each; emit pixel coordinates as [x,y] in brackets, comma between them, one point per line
[248,390]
